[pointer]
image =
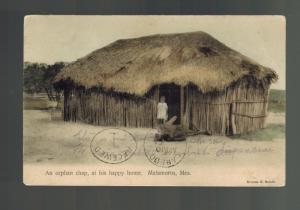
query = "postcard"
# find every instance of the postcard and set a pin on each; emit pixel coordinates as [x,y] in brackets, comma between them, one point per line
[154,100]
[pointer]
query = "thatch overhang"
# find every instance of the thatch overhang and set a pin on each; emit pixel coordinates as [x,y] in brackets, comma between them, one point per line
[134,66]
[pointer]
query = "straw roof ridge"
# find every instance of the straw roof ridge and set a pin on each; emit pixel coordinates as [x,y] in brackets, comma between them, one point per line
[135,65]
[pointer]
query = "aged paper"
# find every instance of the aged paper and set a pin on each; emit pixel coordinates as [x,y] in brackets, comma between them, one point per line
[154,100]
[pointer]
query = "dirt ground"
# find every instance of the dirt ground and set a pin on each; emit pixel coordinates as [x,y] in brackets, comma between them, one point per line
[48,139]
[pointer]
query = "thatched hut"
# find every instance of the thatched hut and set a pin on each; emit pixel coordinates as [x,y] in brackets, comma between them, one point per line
[207,85]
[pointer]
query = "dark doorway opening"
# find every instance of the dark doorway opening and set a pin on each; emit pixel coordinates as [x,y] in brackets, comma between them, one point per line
[172,95]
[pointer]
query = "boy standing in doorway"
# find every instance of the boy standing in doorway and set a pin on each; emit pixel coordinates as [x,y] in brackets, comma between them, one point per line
[162,111]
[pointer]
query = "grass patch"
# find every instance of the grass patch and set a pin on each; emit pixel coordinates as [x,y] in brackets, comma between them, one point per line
[276,107]
[272,131]
[276,101]
[37,102]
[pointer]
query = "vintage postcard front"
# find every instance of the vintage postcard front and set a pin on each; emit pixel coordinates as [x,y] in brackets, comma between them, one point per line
[154,100]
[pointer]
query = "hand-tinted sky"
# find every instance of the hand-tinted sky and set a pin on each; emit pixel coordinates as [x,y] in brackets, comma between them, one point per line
[50,39]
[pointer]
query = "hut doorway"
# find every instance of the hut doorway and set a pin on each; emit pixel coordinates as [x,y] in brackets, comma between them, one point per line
[172,95]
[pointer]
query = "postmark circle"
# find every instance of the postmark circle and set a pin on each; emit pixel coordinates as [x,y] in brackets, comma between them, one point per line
[113,145]
[164,154]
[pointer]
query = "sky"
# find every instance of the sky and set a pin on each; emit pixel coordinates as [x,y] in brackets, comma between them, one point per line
[53,38]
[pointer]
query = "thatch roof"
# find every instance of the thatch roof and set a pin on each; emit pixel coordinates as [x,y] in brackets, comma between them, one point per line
[135,65]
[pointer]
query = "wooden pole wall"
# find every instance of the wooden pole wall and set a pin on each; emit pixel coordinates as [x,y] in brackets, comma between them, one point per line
[237,109]
[182,121]
[109,109]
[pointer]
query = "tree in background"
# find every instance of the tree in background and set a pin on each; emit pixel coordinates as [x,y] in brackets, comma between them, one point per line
[38,78]
[48,79]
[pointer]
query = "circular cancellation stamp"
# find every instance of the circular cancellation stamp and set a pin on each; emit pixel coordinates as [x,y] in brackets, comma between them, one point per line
[164,154]
[113,145]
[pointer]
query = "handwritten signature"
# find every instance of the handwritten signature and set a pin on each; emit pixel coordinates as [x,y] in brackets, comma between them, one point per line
[82,136]
[221,148]
[213,146]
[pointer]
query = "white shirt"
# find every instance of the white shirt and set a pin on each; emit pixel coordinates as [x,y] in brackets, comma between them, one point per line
[162,111]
